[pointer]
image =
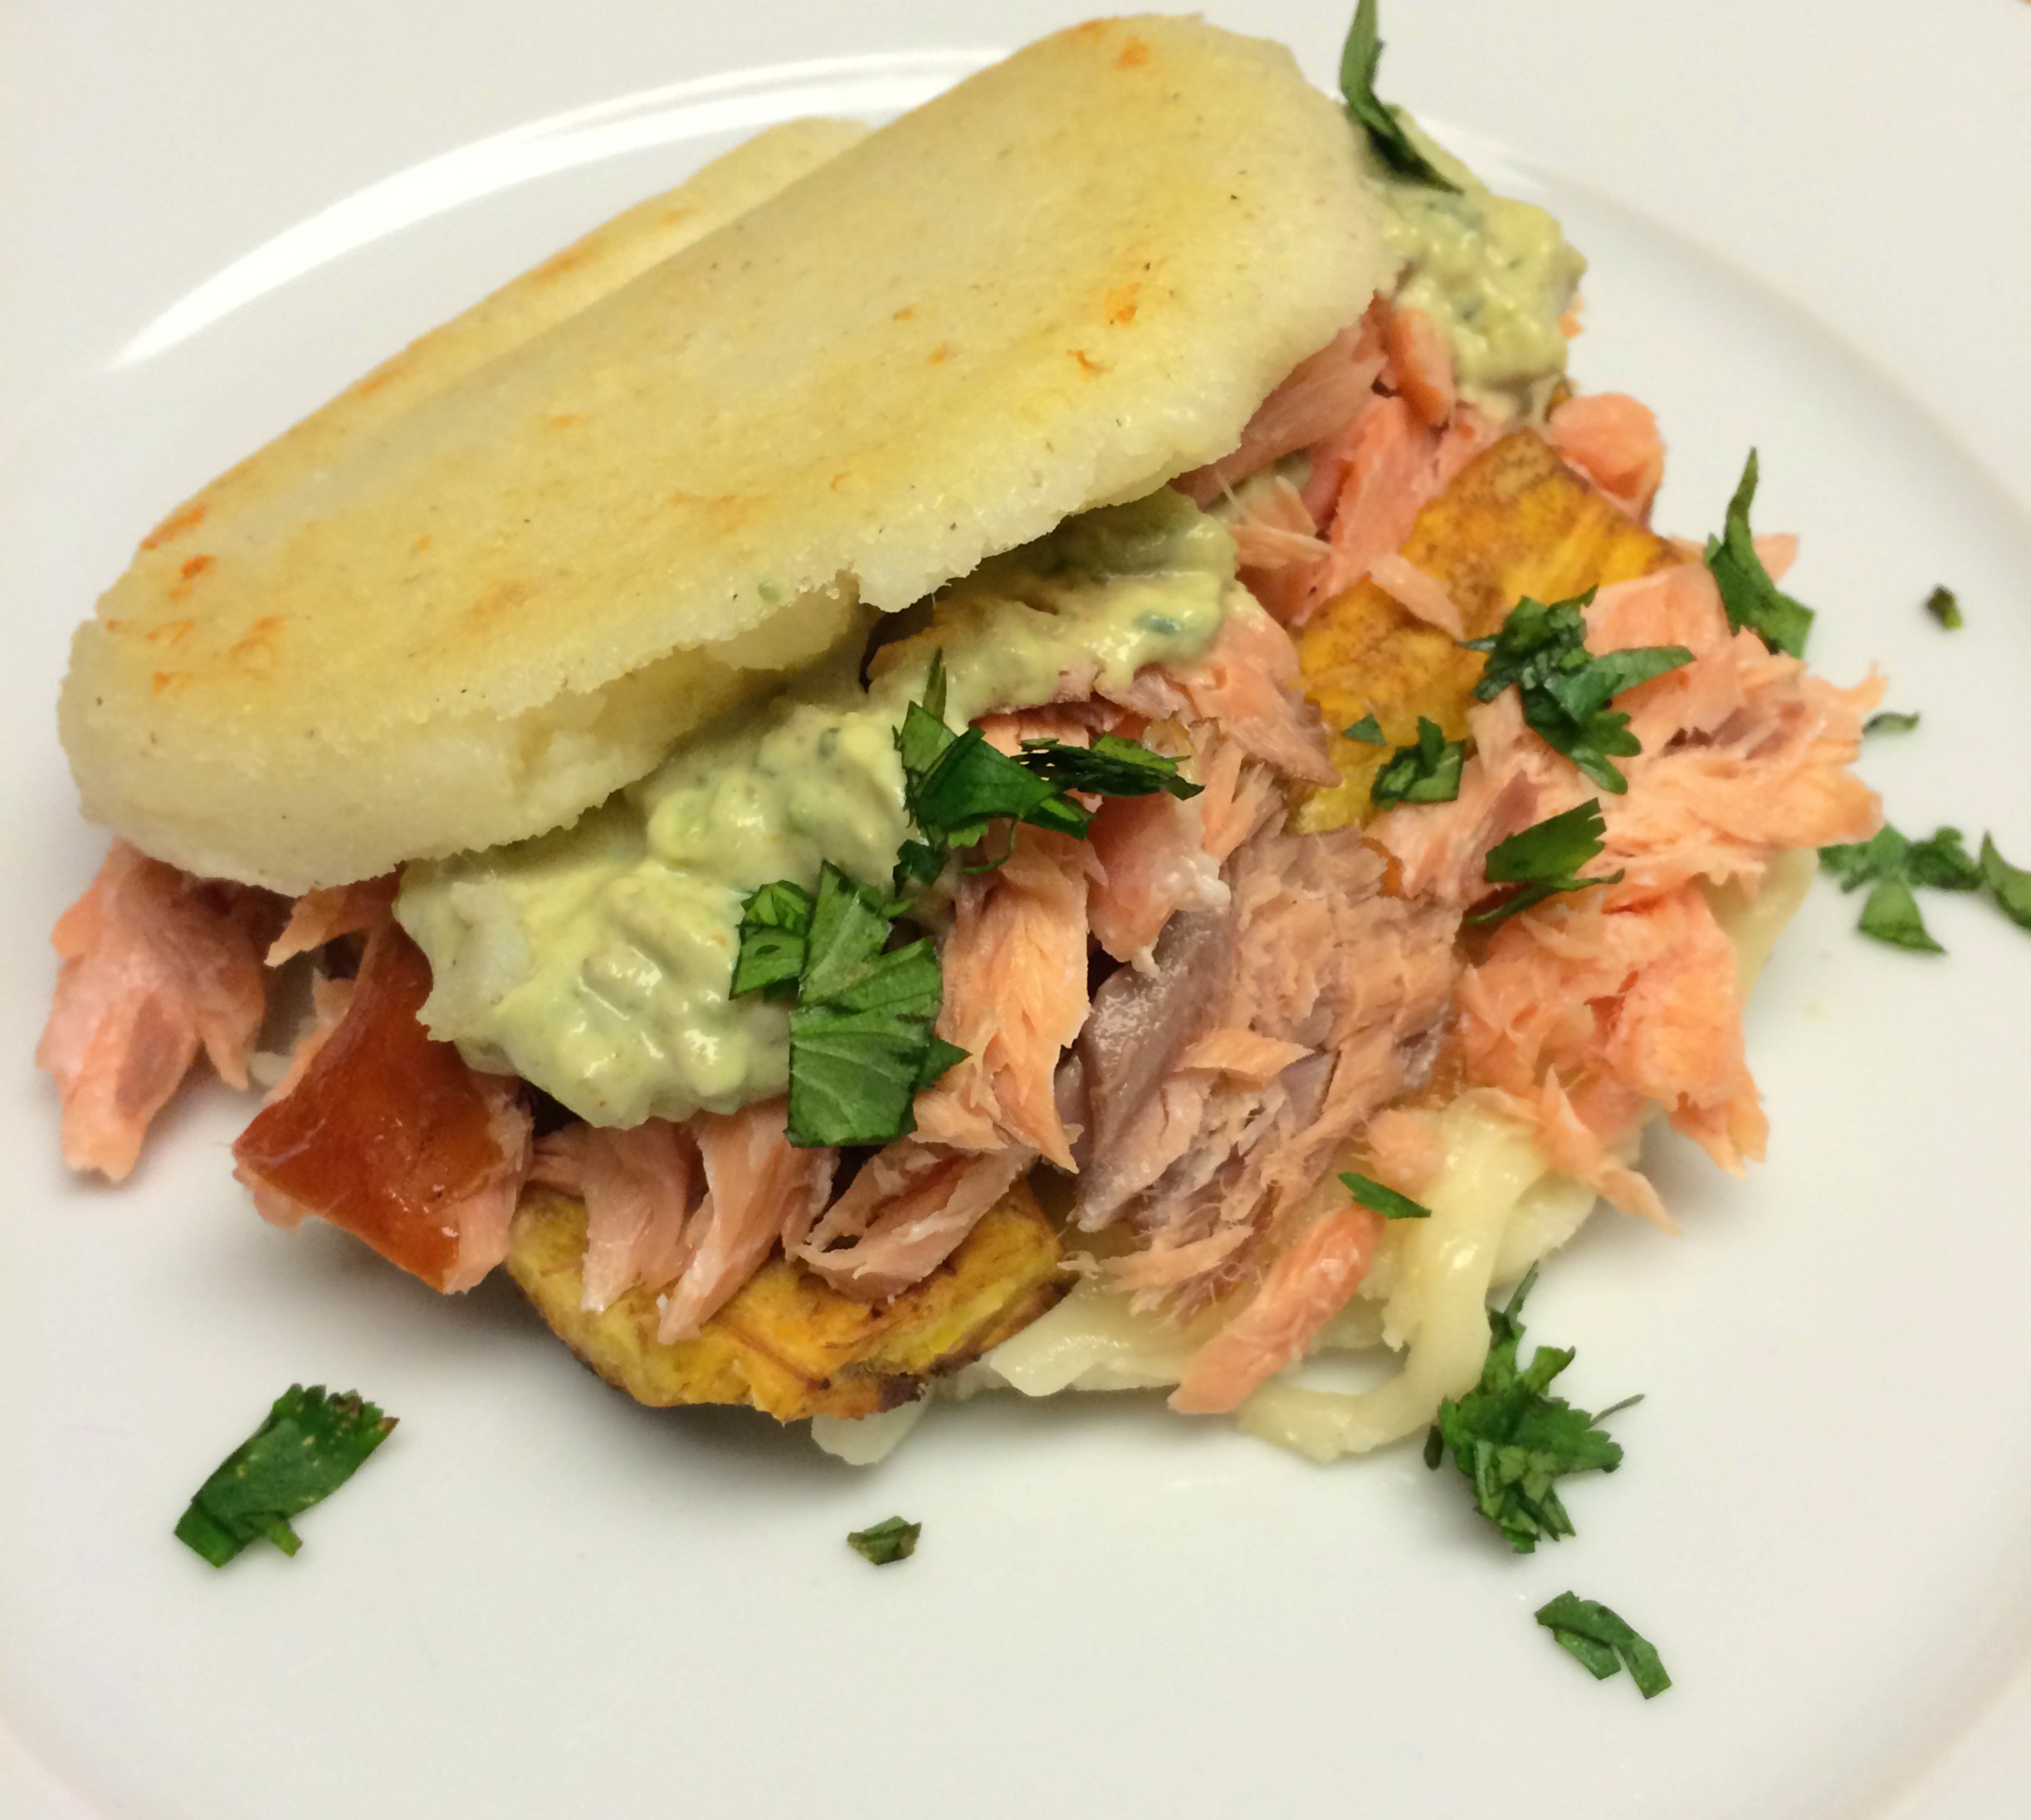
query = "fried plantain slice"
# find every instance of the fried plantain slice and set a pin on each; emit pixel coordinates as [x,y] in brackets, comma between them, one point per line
[1515,521]
[788,1344]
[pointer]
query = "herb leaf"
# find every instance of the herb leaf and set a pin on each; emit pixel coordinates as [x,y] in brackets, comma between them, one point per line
[1564,688]
[863,1040]
[1359,58]
[1862,862]
[775,922]
[1890,914]
[1603,1643]
[1889,720]
[883,1543]
[310,1443]
[1384,1201]
[1545,858]
[2011,885]
[1111,766]
[1427,772]
[939,1059]
[955,784]
[1890,864]
[1945,608]
[1943,863]
[969,784]
[1513,1441]
[1368,730]
[862,1037]
[1533,644]
[1751,598]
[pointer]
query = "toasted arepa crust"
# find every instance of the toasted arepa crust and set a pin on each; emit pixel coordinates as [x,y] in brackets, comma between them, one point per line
[1055,287]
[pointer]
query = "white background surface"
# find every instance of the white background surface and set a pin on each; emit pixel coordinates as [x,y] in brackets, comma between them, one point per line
[540,1601]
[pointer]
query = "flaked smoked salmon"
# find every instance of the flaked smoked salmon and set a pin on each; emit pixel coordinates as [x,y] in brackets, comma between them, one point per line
[640,1187]
[157,965]
[1199,1145]
[332,910]
[760,1191]
[1015,995]
[1303,1289]
[1613,441]
[907,1211]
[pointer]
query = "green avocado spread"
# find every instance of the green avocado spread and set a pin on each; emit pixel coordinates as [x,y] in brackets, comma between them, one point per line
[1495,274]
[595,961]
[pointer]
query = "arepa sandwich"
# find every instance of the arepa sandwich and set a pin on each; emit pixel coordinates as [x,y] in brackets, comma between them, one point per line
[1040,747]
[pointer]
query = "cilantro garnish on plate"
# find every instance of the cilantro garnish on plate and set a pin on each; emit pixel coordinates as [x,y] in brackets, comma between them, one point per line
[886,1542]
[1541,651]
[1545,858]
[1895,867]
[1426,772]
[1751,598]
[310,1443]
[1515,1440]
[1944,608]
[1602,1643]
[1890,721]
[1368,730]
[1359,58]
[2010,886]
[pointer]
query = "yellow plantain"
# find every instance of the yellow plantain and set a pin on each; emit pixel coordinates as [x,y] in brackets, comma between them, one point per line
[788,1344]
[1515,521]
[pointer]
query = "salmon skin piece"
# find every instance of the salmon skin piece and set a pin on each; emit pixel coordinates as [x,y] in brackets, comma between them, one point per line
[391,1137]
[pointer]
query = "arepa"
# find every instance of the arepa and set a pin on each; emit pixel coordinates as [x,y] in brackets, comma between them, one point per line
[406,632]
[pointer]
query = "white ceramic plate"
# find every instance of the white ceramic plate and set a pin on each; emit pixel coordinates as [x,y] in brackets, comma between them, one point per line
[1808,226]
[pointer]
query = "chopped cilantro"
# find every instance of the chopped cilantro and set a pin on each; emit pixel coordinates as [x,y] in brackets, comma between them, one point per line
[1601,1644]
[2010,884]
[1862,862]
[310,1443]
[774,924]
[1513,1441]
[1359,58]
[1427,772]
[1384,1201]
[917,862]
[955,784]
[1751,598]
[862,1026]
[968,784]
[1545,858]
[1890,721]
[1368,730]
[1111,766]
[1541,651]
[883,1543]
[1532,644]
[861,1041]
[1891,865]
[1945,608]
[1944,863]
[939,1061]
[1890,914]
